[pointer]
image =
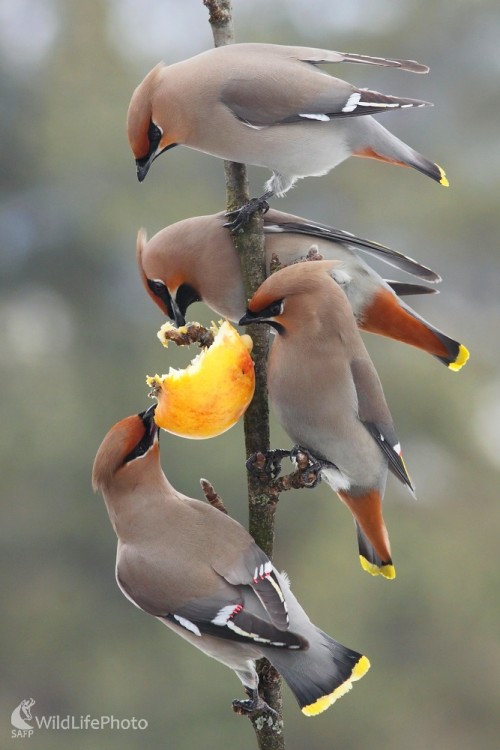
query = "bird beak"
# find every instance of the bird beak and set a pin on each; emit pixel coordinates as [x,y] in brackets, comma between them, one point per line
[148,418]
[178,317]
[148,414]
[264,316]
[168,303]
[250,317]
[143,165]
[145,162]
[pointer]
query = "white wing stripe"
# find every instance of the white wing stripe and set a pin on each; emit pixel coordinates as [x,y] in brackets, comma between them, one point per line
[320,117]
[352,102]
[188,625]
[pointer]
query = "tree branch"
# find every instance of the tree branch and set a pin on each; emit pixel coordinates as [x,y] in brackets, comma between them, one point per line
[261,502]
[212,496]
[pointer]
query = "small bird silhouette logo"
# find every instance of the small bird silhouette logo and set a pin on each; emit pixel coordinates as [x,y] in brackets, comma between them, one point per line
[22,714]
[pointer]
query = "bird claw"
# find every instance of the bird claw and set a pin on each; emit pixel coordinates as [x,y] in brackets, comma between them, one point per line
[252,705]
[268,463]
[239,218]
[309,466]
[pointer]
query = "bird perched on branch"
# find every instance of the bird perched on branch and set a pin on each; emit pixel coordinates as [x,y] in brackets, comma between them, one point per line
[195,259]
[328,398]
[271,106]
[200,573]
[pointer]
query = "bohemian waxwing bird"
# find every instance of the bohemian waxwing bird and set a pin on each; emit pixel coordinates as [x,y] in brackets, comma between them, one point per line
[195,259]
[269,105]
[201,574]
[327,395]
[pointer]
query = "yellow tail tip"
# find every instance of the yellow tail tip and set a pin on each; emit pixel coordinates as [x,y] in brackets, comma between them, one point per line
[387,571]
[462,357]
[360,669]
[444,180]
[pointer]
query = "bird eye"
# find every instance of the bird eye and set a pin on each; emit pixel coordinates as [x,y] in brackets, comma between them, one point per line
[140,449]
[159,289]
[276,308]
[154,135]
[147,440]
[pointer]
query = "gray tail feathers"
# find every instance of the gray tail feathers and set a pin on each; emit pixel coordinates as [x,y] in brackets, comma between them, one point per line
[407,288]
[454,354]
[376,142]
[321,674]
[370,561]
[429,168]
[425,336]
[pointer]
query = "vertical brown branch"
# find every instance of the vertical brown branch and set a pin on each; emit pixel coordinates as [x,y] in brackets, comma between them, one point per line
[262,504]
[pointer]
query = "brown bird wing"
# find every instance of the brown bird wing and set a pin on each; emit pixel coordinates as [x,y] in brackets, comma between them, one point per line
[294,91]
[231,612]
[374,413]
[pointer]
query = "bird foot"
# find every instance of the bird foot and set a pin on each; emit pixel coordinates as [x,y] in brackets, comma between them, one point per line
[268,463]
[309,466]
[253,705]
[239,218]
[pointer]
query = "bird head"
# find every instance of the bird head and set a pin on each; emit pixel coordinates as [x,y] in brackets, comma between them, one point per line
[166,275]
[193,260]
[129,443]
[293,296]
[150,132]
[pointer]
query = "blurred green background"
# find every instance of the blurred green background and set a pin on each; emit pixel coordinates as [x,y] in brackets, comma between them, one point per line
[78,335]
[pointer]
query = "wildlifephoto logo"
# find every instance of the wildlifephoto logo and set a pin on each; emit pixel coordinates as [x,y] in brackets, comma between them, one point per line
[24,724]
[20,717]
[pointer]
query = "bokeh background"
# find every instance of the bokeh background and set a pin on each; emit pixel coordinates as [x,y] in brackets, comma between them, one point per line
[77,337]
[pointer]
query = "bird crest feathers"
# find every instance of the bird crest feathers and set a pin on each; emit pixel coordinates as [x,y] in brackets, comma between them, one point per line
[140,111]
[118,443]
[142,239]
[295,279]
